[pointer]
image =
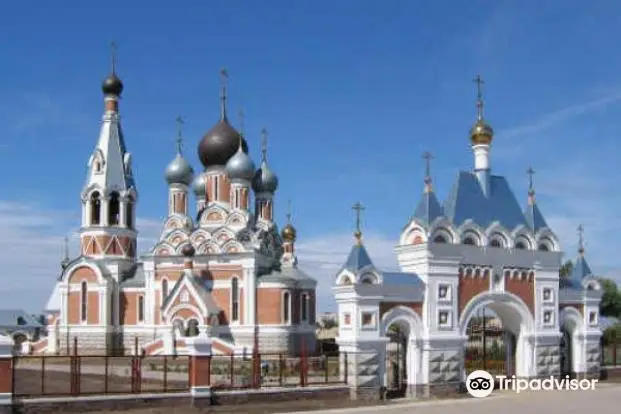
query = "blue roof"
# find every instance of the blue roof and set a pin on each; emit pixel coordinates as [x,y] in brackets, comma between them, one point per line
[467,201]
[428,208]
[579,271]
[534,217]
[358,259]
[402,278]
[10,318]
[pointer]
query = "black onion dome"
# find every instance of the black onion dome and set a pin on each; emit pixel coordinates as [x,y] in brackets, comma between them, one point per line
[264,180]
[219,144]
[112,85]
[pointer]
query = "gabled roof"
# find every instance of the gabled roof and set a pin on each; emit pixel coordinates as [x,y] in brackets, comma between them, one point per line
[17,318]
[133,277]
[358,259]
[534,218]
[200,290]
[579,272]
[288,274]
[428,208]
[402,278]
[468,201]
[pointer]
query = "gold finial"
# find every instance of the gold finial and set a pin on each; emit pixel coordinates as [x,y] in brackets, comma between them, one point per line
[224,77]
[264,145]
[113,53]
[358,208]
[581,239]
[65,260]
[427,157]
[479,82]
[179,139]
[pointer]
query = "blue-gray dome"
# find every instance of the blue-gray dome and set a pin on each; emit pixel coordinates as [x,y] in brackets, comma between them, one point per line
[200,185]
[240,166]
[264,181]
[179,171]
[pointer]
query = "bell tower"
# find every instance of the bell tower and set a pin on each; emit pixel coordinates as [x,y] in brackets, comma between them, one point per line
[109,195]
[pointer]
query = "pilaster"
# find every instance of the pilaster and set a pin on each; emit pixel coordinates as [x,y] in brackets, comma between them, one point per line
[6,374]
[200,350]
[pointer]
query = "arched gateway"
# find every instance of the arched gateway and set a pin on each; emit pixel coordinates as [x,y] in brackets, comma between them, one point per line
[479,288]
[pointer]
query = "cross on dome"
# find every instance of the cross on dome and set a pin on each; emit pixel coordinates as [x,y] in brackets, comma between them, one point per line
[358,208]
[179,139]
[580,239]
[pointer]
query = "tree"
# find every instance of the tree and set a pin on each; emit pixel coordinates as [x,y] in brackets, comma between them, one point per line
[612,335]
[611,299]
[566,269]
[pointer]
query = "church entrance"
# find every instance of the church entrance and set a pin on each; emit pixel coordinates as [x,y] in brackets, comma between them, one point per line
[396,362]
[566,352]
[490,346]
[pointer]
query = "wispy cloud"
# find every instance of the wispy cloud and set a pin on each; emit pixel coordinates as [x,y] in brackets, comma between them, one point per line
[559,116]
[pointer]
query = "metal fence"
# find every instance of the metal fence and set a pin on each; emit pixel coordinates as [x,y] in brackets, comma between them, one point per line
[89,375]
[51,375]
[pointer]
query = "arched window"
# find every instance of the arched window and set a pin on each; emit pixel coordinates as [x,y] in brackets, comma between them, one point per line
[543,247]
[495,243]
[439,239]
[95,208]
[114,209]
[140,308]
[21,320]
[469,241]
[129,214]
[164,290]
[83,301]
[235,299]
[286,308]
[520,245]
[346,281]
[304,307]
[192,328]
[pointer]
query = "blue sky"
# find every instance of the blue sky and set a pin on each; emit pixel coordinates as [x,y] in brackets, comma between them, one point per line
[352,92]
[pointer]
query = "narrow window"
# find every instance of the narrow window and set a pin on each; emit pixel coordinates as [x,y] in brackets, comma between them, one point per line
[304,304]
[129,214]
[216,195]
[83,301]
[140,308]
[114,209]
[164,290]
[286,307]
[95,208]
[235,299]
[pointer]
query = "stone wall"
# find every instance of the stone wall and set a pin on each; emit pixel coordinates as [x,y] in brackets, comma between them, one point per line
[548,360]
[91,342]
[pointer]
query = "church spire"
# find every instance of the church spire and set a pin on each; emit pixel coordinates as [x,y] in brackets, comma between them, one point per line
[581,240]
[533,215]
[427,157]
[428,208]
[358,208]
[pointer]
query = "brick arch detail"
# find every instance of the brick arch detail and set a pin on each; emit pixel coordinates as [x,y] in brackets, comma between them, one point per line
[92,273]
[186,312]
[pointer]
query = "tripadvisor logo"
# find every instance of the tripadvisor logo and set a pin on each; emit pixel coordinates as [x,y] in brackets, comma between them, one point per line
[481,383]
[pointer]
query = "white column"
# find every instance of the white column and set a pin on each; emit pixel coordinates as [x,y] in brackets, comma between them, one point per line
[247,296]
[103,320]
[105,208]
[481,157]
[64,306]
[86,213]
[123,213]
[252,290]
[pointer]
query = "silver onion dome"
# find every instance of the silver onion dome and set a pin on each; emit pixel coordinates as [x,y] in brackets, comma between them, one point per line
[240,166]
[200,185]
[264,180]
[179,171]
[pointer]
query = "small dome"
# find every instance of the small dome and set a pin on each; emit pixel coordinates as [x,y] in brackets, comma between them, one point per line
[188,250]
[240,166]
[112,85]
[179,171]
[219,144]
[481,133]
[200,185]
[288,233]
[264,181]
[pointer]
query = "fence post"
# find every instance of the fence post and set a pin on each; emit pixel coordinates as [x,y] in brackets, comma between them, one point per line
[6,374]
[200,350]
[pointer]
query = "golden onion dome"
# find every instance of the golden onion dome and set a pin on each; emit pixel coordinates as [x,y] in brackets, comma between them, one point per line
[481,133]
[288,233]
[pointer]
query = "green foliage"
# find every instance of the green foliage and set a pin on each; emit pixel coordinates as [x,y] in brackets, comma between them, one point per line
[612,335]
[566,269]
[611,299]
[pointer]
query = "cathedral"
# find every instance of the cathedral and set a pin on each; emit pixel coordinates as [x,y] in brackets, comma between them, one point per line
[224,270]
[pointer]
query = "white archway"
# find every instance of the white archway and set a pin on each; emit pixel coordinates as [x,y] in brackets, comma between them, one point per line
[412,326]
[571,321]
[516,317]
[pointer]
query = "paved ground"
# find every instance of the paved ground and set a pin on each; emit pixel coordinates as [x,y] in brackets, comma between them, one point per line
[605,398]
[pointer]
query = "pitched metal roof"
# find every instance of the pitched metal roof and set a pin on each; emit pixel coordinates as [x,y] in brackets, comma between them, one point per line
[468,201]
[534,218]
[133,277]
[428,208]
[358,259]
[17,318]
[580,270]
[287,275]
[402,278]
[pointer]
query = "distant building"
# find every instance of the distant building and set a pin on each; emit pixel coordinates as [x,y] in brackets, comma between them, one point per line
[20,326]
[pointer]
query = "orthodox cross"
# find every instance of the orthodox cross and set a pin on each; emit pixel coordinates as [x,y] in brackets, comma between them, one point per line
[264,144]
[530,173]
[289,212]
[224,76]
[113,50]
[479,82]
[358,208]
[66,245]
[427,157]
[580,239]
[179,121]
